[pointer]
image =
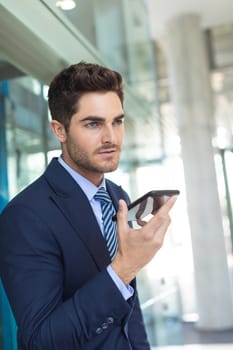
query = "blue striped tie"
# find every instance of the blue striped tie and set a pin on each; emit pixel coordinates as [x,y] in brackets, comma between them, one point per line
[109,225]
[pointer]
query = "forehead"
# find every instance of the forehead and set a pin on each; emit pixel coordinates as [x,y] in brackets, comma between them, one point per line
[100,104]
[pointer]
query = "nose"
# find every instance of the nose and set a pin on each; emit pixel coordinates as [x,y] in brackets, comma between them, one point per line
[108,135]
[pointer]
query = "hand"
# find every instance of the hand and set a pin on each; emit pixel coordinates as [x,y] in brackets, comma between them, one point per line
[157,204]
[136,247]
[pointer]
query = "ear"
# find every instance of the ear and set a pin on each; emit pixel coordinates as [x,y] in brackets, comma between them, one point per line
[59,130]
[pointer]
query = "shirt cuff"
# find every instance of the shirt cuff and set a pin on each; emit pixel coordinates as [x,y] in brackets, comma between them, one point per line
[127,291]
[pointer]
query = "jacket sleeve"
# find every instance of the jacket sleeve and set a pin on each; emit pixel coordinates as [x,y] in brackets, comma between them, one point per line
[136,328]
[32,273]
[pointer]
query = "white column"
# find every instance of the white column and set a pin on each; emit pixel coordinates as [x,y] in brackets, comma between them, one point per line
[192,99]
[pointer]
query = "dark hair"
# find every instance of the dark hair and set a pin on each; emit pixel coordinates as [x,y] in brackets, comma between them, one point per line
[71,83]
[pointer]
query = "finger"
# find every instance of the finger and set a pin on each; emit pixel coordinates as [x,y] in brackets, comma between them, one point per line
[122,214]
[168,205]
[162,214]
[141,222]
[141,209]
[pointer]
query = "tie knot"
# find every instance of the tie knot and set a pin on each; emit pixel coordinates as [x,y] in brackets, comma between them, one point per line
[102,195]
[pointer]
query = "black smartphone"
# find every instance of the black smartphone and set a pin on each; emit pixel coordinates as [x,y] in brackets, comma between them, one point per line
[148,204]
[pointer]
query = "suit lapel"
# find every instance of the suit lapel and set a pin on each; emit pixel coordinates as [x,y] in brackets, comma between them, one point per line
[75,206]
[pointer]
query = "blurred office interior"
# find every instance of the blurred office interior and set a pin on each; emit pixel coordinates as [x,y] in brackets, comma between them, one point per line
[177,62]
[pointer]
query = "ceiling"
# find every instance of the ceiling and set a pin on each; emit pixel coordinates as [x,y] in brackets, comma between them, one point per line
[212,12]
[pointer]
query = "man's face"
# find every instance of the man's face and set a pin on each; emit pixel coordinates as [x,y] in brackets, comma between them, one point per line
[93,144]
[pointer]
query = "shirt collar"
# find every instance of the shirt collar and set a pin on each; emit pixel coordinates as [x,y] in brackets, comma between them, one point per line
[88,187]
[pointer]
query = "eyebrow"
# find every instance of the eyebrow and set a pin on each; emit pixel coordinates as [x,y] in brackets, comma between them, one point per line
[97,118]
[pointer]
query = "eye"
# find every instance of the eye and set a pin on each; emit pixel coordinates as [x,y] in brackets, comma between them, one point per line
[92,125]
[119,121]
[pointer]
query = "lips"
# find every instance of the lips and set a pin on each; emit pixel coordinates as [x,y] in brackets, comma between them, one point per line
[108,151]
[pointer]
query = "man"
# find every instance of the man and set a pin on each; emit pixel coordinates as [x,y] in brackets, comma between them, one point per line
[67,290]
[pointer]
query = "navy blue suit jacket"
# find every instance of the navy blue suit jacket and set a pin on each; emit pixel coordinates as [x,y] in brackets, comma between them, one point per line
[53,261]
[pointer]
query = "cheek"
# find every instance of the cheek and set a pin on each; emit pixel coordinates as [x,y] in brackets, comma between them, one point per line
[87,141]
[121,136]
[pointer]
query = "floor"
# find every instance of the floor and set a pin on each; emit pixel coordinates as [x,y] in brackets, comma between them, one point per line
[194,339]
[193,336]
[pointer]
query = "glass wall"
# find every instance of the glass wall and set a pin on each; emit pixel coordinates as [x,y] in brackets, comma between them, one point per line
[7,323]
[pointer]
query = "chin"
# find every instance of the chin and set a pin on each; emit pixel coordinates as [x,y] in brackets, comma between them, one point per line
[109,169]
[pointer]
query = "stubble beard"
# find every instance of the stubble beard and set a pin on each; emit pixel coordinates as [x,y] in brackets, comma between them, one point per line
[85,163]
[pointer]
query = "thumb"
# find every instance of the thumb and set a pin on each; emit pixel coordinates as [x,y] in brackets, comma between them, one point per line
[122,214]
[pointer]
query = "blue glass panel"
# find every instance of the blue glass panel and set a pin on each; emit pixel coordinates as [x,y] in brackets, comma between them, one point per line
[8,324]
